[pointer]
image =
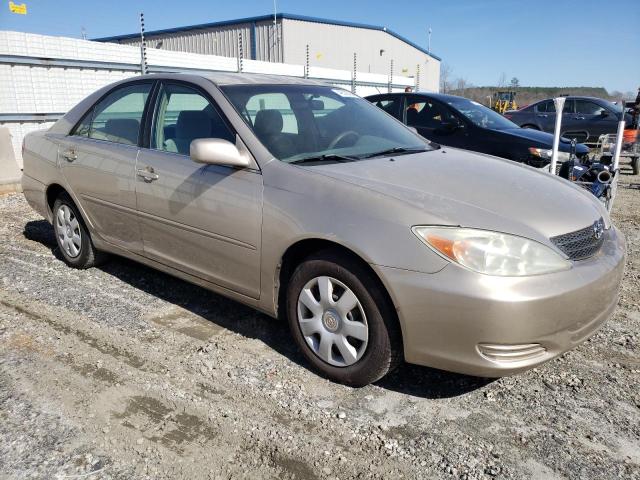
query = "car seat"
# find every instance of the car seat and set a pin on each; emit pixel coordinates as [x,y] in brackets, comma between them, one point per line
[191,124]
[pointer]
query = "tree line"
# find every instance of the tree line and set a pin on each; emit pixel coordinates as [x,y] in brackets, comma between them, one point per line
[524,95]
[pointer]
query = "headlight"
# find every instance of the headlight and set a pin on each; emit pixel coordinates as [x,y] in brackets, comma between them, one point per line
[492,253]
[546,154]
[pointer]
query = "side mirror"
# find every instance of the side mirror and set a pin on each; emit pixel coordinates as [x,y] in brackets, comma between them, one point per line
[215,151]
[604,113]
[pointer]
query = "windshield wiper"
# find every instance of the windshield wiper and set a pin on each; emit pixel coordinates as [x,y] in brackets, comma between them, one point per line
[326,157]
[391,151]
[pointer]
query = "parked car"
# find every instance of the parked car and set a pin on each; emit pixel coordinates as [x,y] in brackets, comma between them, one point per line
[305,201]
[583,118]
[462,123]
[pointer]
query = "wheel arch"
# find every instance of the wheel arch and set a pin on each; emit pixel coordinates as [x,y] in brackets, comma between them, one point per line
[297,252]
[52,192]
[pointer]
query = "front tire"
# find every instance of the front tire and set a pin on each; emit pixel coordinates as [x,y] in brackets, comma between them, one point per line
[72,235]
[342,321]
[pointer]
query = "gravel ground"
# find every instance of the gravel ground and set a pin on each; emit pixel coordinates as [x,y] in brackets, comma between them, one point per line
[124,372]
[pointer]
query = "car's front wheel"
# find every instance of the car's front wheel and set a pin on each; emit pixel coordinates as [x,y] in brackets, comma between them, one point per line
[342,321]
[72,235]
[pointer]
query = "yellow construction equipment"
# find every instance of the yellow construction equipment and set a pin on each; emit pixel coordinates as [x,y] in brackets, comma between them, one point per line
[503,101]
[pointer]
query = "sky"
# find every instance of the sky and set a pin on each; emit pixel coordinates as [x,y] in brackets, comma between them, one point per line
[542,43]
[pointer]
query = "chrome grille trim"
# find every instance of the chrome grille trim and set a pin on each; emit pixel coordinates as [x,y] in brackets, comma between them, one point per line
[580,244]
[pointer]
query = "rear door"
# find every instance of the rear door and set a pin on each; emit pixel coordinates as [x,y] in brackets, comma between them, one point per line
[204,220]
[98,161]
[392,104]
[594,118]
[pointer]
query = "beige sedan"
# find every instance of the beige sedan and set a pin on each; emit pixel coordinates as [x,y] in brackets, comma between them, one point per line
[305,201]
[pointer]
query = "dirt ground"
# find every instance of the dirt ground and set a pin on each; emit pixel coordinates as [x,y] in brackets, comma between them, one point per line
[123,372]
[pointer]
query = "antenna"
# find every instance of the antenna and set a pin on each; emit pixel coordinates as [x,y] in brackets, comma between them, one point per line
[429,45]
[83,33]
[143,47]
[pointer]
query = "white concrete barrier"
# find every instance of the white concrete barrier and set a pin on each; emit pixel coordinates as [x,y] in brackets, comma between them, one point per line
[9,173]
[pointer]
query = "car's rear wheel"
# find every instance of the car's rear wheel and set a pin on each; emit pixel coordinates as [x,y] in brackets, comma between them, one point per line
[341,320]
[72,235]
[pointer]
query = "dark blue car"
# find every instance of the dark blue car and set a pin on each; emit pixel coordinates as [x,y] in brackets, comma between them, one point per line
[584,118]
[463,123]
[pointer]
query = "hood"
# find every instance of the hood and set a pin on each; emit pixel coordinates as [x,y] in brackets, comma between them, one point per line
[544,139]
[457,187]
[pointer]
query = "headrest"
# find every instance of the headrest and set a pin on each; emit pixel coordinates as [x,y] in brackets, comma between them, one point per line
[123,130]
[268,122]
[193,124]
[412,116]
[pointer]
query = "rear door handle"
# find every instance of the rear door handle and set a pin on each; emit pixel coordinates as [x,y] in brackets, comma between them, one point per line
[147,174]
[542,115]
[70,155]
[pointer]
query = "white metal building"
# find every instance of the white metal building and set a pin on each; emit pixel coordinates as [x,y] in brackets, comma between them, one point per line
[284,38]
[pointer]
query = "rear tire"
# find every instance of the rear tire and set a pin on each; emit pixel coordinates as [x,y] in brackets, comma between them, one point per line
[327,328]
[72,235]
[635,165]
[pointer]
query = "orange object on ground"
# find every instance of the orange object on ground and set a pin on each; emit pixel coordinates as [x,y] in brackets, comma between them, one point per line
[630,135]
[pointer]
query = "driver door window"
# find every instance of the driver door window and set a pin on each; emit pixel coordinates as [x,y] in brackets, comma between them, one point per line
[183,115]
[428,115]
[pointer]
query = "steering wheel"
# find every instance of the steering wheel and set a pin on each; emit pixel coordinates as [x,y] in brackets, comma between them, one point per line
[341,137]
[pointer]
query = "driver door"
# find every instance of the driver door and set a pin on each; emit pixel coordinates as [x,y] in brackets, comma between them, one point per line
[204,220]
[435,121]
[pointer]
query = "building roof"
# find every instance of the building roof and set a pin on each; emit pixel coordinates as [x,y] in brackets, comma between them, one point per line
[262,18]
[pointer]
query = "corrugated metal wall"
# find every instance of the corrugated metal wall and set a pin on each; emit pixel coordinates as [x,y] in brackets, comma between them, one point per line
[330,45]
[269,42]
[333,46]
[223,41]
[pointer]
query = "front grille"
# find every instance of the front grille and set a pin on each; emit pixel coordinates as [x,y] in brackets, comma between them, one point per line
[582,243]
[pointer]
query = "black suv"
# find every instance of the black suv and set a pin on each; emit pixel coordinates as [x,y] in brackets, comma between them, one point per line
[463,123]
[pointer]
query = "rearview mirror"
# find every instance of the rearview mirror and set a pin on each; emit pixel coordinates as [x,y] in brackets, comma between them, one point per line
[215,151]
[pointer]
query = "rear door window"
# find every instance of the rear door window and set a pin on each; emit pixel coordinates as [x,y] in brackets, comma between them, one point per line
[391,105]
[117,117]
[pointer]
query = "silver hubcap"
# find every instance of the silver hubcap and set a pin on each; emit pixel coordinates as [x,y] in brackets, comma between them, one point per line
[68,230]
[332,321]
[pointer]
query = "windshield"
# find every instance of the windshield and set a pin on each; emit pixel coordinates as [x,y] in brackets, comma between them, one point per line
[297,122]
[479,114]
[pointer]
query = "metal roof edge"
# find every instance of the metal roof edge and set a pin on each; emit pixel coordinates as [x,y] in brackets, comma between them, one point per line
[261,18]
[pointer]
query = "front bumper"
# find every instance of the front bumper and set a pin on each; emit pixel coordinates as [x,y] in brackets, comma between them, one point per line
[475,324]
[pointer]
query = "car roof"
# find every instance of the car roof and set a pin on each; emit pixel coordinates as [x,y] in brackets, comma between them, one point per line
[577,97]
[232,78]
[437,96]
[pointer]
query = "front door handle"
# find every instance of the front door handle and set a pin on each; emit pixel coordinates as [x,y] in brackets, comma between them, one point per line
[542,115]
[147,174]
[70,155]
